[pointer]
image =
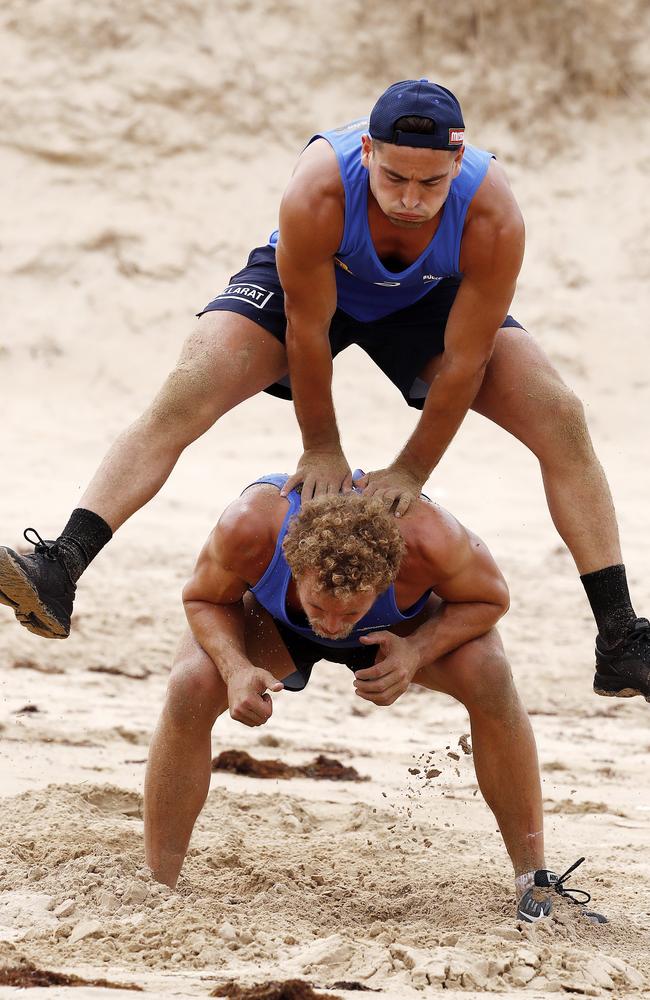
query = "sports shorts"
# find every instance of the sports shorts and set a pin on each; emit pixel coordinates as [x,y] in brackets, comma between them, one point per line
[401,343]
[306,652]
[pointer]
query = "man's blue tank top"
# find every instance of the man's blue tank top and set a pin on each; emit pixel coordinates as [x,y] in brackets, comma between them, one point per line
[271,589]
[366,289]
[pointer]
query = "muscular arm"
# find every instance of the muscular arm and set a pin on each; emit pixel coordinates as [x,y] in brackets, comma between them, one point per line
[213,596]
[491,256]
[457,566]
[473,591]
[311,226]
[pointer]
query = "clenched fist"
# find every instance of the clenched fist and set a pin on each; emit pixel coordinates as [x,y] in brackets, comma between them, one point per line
[248,699]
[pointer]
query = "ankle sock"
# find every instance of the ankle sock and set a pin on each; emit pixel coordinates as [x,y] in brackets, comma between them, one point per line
[609,597]
[83,537]
[524,882]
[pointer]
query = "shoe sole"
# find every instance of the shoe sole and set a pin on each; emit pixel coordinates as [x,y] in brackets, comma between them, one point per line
[28,607]
[612,687]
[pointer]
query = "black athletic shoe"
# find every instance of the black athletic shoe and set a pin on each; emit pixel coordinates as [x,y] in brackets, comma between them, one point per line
[623,670]
[38,587]
[535,904]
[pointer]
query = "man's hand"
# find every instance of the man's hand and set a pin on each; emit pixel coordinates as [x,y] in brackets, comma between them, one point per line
[320,471]
[392,485]
[396,663]
[248,700]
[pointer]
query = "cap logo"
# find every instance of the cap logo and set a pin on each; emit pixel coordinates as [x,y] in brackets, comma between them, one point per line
[457,135]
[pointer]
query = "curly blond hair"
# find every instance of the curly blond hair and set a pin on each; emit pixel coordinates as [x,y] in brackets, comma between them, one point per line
[351,542]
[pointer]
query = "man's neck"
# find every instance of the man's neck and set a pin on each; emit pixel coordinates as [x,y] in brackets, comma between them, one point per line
[398,248]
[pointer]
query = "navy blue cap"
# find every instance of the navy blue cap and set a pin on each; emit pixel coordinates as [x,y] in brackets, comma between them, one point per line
[426,100]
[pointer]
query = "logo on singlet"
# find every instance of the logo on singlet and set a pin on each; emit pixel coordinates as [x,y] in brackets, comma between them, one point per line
[432,277]
[357,124]
[255,294]
[344,267]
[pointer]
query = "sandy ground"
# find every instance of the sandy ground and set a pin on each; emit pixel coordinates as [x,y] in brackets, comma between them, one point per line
[134,184]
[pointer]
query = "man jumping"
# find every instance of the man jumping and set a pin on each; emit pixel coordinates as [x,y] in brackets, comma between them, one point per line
[396,236]
[279,586]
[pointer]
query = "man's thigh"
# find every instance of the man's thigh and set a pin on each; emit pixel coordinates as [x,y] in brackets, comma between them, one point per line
[227,358]
[521,390]
[255,295]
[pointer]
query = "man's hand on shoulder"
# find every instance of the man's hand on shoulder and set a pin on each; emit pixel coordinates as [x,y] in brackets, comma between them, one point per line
[320,470]
[395,485]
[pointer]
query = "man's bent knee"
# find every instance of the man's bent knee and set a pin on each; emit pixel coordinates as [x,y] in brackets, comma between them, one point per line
[564,433]
[227,359]
[486,682]
[570,422]
[195,692]
[185,407]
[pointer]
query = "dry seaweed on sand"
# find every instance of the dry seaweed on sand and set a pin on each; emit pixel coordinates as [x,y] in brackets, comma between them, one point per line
[322,768]
[291,989]
[26,975]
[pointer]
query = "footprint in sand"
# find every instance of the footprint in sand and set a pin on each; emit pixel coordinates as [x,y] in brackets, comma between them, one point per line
[115,802]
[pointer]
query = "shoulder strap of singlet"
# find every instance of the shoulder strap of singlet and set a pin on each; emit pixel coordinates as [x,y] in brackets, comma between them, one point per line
[346,143]
[272,478]
[277,562]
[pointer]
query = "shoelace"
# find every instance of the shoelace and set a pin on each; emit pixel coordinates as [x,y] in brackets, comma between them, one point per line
[641,630]
[571,893]
[50,550]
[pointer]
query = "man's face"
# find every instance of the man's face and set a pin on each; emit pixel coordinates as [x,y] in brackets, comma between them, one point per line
[409,184]
[331,617]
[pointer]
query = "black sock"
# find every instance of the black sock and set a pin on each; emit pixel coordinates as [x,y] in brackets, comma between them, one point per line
[610,602]
[85,534]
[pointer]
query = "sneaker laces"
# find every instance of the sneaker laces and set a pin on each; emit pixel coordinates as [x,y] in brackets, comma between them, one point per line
[571,894]
[641,631]
[49,550]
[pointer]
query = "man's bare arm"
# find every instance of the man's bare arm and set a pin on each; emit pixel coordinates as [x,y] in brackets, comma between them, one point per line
[311,226]
[473,591]
[492,253]
[461,571]
[213,596]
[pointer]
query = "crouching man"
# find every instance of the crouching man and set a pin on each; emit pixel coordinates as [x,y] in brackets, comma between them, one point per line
[280,586]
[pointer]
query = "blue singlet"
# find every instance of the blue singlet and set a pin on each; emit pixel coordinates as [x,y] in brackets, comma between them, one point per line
[366,289]
[271,589]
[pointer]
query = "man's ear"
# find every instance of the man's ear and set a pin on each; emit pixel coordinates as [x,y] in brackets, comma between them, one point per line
[458,162]
[366,150]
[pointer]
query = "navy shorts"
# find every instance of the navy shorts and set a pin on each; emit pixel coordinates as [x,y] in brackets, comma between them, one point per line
[306,652]
[401,343]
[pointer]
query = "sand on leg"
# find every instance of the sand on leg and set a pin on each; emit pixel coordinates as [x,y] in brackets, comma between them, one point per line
[179,763]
